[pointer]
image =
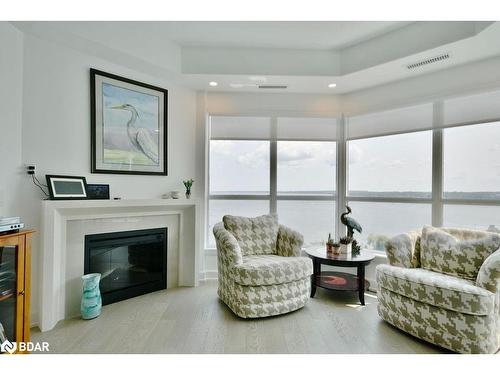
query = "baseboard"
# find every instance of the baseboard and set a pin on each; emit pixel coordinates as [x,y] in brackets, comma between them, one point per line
[209,275]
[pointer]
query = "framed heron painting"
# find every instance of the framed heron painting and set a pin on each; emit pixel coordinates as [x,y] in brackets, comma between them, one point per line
[129,126]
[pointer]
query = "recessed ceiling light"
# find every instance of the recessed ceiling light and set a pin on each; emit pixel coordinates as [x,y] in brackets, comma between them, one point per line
[213,83]
[332,85]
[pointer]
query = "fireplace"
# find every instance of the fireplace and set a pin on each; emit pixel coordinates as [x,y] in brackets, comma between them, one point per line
[131,263]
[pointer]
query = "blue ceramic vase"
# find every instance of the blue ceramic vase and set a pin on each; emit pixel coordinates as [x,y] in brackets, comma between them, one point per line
[91,296]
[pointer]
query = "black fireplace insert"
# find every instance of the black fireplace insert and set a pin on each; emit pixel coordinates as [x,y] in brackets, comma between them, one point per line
[131,263]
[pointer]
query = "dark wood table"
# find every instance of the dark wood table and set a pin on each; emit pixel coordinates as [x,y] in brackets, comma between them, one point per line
[339,281]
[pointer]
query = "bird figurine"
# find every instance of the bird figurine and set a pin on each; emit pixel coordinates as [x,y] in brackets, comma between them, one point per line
[350,223]
[140,138]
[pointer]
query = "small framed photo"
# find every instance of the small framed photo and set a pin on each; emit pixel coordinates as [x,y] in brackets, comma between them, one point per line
[66,187]
[97,191]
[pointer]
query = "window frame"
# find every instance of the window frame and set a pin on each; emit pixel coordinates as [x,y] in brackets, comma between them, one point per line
[442,202]
[273,195]
[404,200]
[341,197]
[437,200]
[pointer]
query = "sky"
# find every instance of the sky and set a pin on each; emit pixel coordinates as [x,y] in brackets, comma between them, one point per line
[389,163]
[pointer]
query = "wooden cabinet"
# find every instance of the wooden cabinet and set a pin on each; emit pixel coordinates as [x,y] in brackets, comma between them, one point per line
[15,275]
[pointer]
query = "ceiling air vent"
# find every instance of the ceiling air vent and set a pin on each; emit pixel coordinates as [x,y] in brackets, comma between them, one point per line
[273,86]
[428,61]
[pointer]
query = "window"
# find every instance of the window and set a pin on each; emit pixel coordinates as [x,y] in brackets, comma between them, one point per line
[307,171]
[472,162]
[293,172]
[472,176]
[383,220]
[404,168]
[391,166]
[390,185]
[313,219]
[306,168]
[472,216]
[239,167]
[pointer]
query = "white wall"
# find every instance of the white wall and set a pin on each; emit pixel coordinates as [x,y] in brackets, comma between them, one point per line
[56,130]
[11,83]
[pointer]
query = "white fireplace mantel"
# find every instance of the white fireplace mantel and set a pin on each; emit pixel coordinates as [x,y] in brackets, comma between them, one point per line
[57,214]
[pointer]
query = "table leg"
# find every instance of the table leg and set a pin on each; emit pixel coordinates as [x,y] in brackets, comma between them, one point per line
[316,272]
[361,284]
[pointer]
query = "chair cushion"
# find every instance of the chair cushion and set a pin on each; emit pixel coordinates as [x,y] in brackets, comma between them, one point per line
[457,252]
[403,250]
[445,291]
[259,270]
[256,236]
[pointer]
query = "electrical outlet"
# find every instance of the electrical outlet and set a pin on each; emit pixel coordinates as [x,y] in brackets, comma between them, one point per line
[30,169]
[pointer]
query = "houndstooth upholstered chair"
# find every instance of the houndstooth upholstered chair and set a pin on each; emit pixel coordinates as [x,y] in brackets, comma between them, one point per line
[443,286]
[261,270]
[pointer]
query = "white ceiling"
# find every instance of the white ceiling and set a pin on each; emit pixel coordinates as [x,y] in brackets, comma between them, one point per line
[325,35]
[305,56]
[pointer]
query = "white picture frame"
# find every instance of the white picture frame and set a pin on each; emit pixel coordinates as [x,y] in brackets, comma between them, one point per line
[66,187]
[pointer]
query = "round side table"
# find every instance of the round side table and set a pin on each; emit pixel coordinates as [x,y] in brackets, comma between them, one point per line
[340,281]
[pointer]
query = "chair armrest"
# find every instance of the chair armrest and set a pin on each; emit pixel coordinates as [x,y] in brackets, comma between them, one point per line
[489,273]
[404,250]
[289,242]
[228,249]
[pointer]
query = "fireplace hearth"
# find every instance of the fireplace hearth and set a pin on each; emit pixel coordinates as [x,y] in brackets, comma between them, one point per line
[131,263]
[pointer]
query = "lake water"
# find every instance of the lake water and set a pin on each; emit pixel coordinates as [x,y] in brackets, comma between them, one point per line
[315,219]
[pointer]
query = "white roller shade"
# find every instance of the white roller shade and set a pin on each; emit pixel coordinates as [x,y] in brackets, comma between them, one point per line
[288,128]
[232,127]
[399,120]
[311,129]
[472,108]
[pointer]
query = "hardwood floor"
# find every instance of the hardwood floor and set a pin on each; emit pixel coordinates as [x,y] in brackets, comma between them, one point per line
[193,320]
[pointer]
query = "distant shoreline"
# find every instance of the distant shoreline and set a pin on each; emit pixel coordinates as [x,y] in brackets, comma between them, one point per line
[478,195]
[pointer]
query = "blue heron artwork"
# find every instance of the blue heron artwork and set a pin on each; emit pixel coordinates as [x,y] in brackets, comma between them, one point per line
[131,127]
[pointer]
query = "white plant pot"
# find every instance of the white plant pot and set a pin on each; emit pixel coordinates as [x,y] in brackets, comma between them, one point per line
[345,249]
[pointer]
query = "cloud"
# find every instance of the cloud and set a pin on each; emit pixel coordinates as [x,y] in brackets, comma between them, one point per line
[221,147]
[394,163]
[331,158]
[355,154]
[291,154]
[256,157]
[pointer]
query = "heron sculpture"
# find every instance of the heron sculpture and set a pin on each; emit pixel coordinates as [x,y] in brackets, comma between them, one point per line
[140,138]
[350,223]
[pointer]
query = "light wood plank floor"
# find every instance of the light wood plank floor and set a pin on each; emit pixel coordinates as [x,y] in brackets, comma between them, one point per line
[193,320]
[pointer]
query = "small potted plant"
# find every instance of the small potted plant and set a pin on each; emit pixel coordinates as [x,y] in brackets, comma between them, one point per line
[345,245]
[329,244]
[188,184]
[336,248]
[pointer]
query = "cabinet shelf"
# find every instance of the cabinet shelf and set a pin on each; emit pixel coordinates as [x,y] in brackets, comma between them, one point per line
[7,296]
[15,272]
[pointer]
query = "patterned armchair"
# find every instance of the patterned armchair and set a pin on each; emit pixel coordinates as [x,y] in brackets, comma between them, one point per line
[443,286]
[261,271]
